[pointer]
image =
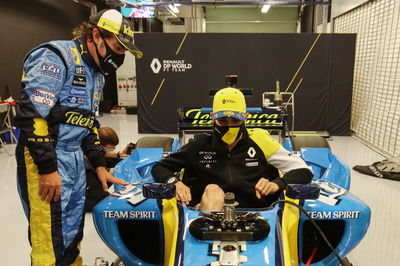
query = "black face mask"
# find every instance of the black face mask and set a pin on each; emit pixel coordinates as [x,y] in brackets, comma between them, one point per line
[229,134]
[111,61]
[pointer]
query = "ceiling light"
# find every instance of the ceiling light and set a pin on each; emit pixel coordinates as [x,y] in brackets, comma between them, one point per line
[265,8]
[174,8]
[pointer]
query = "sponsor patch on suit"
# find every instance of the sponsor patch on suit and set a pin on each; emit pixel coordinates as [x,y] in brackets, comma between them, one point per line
[77,92]
[51,70]
[78,100]
[251,164]
[79,81]
[80,70]
[44,97]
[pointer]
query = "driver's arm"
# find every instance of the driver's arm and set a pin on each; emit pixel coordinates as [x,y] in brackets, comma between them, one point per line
[174,162]
[165,168]
[295,170]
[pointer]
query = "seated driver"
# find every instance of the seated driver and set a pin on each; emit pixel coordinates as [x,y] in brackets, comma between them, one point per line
[232,159]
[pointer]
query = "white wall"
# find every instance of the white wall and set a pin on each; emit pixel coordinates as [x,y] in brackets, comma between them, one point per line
[341,6]
[126,82]
[376,87]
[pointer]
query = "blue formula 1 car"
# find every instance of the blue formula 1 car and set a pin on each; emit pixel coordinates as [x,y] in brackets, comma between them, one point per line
[315,224]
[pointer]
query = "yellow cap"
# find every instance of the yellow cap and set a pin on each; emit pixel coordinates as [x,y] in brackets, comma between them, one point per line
[229,102]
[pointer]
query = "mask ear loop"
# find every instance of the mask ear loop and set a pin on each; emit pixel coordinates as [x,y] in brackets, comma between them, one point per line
[103,36]
[95,45]
[101,58]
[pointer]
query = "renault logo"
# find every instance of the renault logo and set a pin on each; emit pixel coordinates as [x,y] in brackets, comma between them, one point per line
[251,152]
[155,65]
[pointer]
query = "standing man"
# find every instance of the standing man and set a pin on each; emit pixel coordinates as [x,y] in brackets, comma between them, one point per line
[232,159]
[61,87]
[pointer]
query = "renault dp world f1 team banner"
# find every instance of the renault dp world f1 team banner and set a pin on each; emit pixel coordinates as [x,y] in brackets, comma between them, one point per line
[178,70]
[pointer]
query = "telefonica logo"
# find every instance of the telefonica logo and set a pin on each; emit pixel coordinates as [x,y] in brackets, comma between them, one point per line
[169,65]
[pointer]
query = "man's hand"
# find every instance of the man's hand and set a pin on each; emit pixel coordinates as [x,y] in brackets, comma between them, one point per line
[50,186]
[265,187]
[183,192]
[127,150]
[104,176]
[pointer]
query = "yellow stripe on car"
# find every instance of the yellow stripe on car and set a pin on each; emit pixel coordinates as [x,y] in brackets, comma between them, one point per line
[170,217]
[290,228]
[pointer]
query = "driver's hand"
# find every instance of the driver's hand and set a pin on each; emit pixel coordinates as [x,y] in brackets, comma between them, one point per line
[104,176]
[50,186]
[265,187]
[183,192]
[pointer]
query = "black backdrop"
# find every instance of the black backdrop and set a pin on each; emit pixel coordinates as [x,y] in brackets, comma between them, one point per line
[322,101]
[26,24]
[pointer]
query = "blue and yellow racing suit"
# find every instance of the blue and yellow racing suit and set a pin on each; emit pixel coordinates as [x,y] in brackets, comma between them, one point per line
[60,94]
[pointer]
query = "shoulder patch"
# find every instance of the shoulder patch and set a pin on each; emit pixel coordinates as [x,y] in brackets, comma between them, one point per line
[51,70]
[264,140]
[44,97]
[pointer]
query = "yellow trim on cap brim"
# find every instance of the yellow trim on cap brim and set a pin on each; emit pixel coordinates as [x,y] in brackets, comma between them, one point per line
[136,53]
[110,25]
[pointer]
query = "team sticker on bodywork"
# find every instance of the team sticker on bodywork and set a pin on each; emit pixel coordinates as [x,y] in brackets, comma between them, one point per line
[44,97]
[130,214]
[335,214]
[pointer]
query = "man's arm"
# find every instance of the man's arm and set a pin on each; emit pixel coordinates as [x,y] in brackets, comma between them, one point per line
[92,149]
[174,162]
[184,158]
[43,78]
[295,170]
[165,168]
[302,175]
[94,152]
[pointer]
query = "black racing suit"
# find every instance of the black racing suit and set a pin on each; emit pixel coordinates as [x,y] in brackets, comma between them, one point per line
[207,161]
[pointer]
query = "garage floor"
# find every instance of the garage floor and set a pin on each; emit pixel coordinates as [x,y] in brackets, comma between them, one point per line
[379,247]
